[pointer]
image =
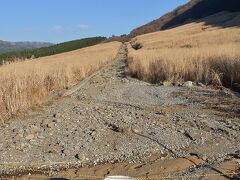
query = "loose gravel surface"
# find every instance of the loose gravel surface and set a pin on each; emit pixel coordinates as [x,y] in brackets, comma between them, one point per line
[110,118]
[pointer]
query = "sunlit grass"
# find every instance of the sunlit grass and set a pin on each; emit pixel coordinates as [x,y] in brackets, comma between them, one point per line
[192,52]
[29,82]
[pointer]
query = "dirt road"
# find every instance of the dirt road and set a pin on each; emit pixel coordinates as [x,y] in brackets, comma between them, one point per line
[132,127]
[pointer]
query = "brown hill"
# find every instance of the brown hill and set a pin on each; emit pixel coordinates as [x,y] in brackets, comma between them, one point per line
[192,11]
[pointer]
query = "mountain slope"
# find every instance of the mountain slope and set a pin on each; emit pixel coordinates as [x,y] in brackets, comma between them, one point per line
[52,50]
[6,46]
[193,10]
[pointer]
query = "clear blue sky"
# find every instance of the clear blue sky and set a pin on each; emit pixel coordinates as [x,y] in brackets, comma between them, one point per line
[63,20]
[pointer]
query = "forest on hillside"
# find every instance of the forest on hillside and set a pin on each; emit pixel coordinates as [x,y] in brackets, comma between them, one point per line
[52,50]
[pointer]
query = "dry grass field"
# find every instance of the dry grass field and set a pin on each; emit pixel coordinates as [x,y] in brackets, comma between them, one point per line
[195,52]
[26,83]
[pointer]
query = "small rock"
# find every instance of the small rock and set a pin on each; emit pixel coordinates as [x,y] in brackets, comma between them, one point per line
[167,83]
[30,137]
[235,127]
[35,129]
[188,84]
[23,145]
[20,135]
[21,131]
[93,133]
[50,125]
[182,131]
[41,137]
[20,146]
[228,121]
[204,157]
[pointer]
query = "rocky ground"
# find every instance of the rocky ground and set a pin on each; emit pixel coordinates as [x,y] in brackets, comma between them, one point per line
[110,119]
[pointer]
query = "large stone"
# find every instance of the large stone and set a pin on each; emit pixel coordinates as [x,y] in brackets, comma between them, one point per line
[188,84]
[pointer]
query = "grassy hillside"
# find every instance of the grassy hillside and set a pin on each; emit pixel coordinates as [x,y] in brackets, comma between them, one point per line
[29,82]
[193,52]
[52,50]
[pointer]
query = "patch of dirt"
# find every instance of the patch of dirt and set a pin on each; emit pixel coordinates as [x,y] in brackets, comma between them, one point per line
[158,169]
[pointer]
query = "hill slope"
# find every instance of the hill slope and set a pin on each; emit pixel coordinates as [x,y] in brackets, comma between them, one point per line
[193,10]
[29,82]
[6,46]
[196,51]
[52,50]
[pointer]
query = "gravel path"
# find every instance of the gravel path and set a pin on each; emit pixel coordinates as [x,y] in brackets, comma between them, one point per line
[109,118]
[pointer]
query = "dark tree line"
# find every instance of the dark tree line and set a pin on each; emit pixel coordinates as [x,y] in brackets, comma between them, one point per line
[52,50]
